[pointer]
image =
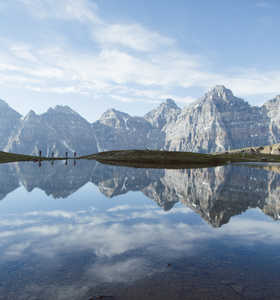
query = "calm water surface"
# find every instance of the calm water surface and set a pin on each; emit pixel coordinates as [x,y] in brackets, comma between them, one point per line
[91,231]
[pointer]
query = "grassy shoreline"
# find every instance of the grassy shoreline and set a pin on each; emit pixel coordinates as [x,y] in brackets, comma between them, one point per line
[157,158]
[6,157]
[174,159]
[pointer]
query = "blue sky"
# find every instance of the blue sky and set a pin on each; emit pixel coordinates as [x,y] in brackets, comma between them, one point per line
[131,55]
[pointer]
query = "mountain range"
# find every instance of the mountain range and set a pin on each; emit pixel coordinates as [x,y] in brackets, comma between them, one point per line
[218,121]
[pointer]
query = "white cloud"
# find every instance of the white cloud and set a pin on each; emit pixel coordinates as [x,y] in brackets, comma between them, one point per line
[119,208]
[17,249]
[124,62]
[122,271]
[53,213]
[106,234]
[15,222]
[42,230]
[23,52]
[114,72]
[123,245]
[252,231]
[5,234]
[19,80]
[81,10]
[253,82]
[132,36]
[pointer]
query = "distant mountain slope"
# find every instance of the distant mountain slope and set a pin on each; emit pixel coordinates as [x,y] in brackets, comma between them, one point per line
[272,110]
[164,114]
[9,122]
[218,121]
[118,130]
[58,130]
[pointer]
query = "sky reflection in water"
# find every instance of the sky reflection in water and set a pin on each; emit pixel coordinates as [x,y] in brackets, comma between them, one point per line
[98,230]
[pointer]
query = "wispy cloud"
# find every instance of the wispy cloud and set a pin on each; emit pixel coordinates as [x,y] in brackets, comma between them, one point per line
[52,238]
[133,36]
[81,10]
[123,62]
[111,235]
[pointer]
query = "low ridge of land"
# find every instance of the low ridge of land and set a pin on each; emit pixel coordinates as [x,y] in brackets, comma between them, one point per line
[6,157]
[166,159]
[156,159]
[269,149]
[175,159]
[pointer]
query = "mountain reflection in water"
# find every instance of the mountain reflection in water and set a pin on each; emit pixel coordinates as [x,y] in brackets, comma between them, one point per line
[216,194]
[126,246]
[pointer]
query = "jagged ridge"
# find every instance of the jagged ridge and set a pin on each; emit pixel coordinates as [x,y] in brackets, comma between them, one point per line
[218,121]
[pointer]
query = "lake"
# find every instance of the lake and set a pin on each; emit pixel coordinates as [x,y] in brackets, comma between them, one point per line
[90,231]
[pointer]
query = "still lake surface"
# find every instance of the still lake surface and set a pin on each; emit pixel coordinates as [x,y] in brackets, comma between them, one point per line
[92,231]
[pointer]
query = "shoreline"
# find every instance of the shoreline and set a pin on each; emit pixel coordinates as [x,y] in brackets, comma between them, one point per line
[157,158]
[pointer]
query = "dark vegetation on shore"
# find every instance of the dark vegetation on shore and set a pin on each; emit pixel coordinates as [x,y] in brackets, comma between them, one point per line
[155,159]
[6,157]
[158,159]
[175,160]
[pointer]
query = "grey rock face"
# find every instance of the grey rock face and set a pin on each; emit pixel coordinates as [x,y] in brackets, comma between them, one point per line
[219,121]
[118,130]
[9,122]
[245,125]
[198,128]
[9,180]
[166,113]
[57,180]
[216,194]
[58,130]
[272,108]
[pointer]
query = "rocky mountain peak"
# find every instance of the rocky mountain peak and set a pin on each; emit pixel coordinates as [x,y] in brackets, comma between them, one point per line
[271,109]
[30,115]
[9,122]
[6,110]
[216,122]
[220,92]
[274,101]
[64,109]
[272,106]
[114,118]
[220,89]
[170,103]
[58,130]
[113,114]
[166,112]
[3,104]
